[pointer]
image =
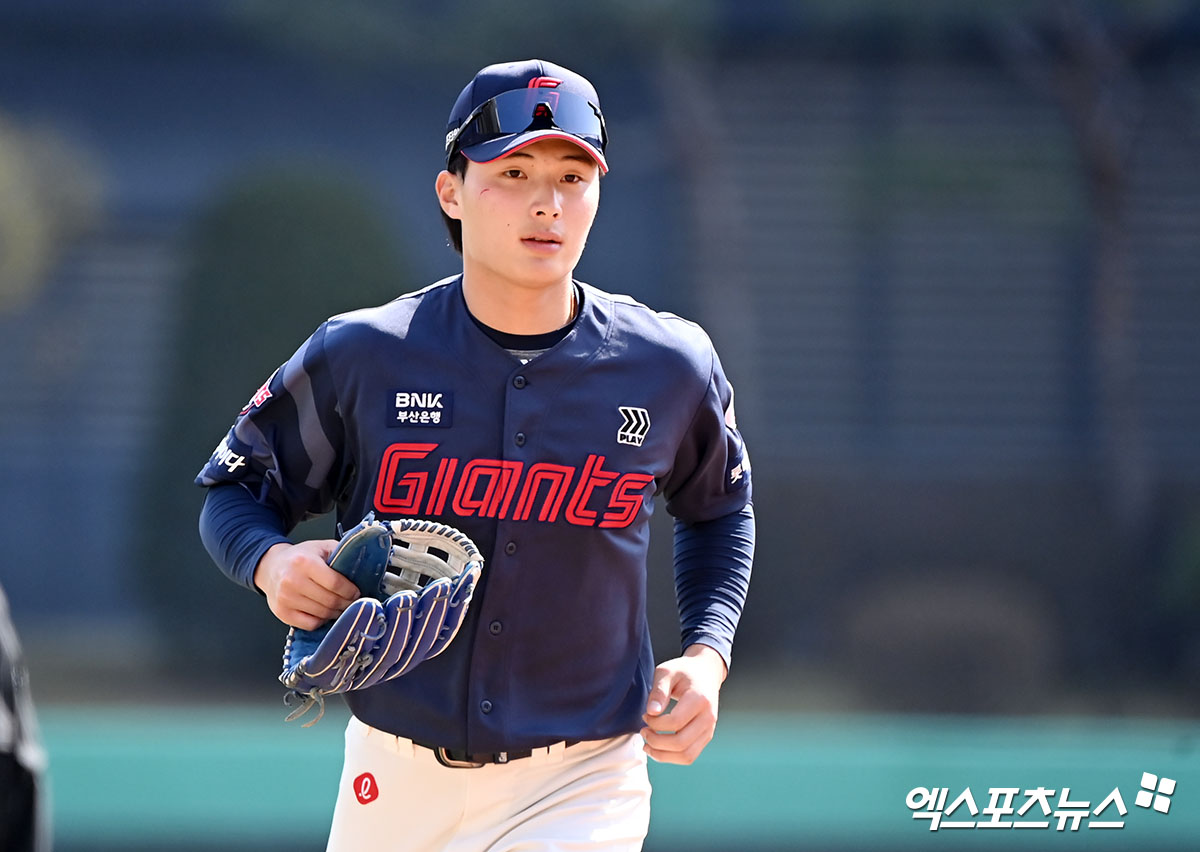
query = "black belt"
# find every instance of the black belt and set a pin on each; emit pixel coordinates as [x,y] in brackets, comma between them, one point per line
[463,759]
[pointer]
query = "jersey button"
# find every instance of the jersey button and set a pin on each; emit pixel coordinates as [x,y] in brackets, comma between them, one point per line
[510,548]
[496,628]
[519,439]
[519,382]
[485,706]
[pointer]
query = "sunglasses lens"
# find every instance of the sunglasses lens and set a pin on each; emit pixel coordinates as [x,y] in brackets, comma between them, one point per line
[525,109]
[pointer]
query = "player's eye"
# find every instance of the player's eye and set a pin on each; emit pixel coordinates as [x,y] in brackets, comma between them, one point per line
[512,173]
[573,178]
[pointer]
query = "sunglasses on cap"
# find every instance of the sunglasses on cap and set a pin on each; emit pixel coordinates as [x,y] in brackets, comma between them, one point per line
[522,110]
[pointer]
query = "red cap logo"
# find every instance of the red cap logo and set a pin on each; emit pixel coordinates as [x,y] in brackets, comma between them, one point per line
[366,790]
[544,83]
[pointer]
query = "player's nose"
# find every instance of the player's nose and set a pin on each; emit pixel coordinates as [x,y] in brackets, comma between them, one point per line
[548,202]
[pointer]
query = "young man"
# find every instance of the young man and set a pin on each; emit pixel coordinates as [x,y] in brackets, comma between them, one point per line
[540,416]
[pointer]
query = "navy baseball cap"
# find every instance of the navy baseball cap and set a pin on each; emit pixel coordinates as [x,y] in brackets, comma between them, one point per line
[514,104]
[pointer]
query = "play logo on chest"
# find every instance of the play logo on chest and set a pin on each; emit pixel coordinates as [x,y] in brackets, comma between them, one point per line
[411,407]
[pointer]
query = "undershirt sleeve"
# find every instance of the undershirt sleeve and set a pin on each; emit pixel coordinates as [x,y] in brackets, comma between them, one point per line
[712,575]
[237,530]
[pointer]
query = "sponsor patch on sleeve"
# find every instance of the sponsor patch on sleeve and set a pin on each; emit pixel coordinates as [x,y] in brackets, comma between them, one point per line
[229,459]
[261,395]
[738,475]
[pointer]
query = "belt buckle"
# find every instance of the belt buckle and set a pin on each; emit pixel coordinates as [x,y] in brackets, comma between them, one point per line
[444,758]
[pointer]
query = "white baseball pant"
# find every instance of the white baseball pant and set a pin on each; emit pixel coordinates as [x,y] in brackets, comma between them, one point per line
[395,796]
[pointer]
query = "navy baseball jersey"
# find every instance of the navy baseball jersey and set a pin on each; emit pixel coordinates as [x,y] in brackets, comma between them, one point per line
[551,466]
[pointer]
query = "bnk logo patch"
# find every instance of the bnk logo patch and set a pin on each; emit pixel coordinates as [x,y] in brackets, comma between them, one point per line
[420,408]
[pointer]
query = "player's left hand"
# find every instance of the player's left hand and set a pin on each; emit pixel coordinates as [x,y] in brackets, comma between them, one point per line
[693,681]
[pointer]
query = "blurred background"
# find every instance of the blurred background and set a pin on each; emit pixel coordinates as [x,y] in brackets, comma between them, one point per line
[949,253]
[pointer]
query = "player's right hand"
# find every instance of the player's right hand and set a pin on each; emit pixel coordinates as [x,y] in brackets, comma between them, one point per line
[301,589]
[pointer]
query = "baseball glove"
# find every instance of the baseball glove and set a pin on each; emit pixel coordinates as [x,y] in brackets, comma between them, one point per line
[406,615]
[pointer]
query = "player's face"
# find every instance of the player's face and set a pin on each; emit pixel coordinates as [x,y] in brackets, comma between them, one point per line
[526,217]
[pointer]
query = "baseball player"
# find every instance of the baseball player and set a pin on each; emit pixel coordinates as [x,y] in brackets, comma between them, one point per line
[540,416]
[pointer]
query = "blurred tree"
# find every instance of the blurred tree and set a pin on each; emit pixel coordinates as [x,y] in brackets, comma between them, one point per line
[1085,63]
[1086,56]
[377,32]
[269,258]
[49,191]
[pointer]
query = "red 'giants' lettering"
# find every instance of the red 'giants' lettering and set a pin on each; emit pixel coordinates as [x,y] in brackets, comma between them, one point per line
[495,488]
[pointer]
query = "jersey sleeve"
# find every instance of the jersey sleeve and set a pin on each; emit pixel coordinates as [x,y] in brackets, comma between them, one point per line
[286,446]
[711,474]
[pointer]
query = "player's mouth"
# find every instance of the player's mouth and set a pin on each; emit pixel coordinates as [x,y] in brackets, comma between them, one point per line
[543,243]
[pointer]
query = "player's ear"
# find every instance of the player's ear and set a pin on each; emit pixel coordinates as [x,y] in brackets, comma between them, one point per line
[448,186]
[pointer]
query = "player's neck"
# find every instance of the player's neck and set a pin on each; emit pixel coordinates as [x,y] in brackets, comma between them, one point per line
[516,309]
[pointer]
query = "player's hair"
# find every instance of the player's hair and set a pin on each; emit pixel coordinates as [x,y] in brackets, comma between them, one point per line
[458,166]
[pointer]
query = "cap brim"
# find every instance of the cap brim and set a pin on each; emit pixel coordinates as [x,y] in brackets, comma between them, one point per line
[494,149]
